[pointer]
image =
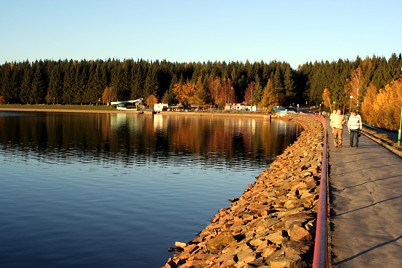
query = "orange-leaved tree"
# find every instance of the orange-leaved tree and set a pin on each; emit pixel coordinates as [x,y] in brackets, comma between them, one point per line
[368,111]
[151,100]
[354,86]
[188,93]
[109,95]
[269,99]
[326,97]
[386,108]
[248,94]
[221,91]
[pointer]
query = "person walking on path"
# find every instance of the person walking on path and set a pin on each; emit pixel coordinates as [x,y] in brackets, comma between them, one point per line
[331,118]
[337,128]
[365,206]
[354,127]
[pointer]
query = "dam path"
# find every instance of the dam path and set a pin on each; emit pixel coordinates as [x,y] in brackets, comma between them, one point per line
[365,186]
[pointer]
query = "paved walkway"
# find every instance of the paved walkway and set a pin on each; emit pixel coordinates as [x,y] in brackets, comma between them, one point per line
[366,204]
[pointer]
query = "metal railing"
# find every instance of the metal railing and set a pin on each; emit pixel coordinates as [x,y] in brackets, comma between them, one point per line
[320,258]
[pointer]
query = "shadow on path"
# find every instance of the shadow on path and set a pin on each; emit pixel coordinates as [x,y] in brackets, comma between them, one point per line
[357,209]
[367,251]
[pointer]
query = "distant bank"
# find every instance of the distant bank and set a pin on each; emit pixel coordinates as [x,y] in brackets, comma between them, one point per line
[109,109]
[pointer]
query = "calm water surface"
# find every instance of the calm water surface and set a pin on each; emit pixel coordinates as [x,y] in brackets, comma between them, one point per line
[116,190]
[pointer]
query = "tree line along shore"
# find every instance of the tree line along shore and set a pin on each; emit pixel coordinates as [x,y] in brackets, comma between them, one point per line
[372,85]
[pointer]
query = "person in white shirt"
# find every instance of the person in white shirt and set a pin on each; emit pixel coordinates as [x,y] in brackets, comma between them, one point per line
[331,118]
[354,127]
[337,127]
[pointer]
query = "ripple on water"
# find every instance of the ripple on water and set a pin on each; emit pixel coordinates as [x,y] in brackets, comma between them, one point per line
[67,207]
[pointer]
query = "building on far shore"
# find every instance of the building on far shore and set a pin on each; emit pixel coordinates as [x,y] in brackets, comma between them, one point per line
[159,107]
[240,107]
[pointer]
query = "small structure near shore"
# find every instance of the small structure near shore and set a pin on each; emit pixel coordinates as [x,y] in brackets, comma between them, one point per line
[159,107]
[240,107]
[127,104]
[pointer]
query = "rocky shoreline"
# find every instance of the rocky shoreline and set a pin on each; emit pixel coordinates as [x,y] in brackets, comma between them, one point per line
[273,223]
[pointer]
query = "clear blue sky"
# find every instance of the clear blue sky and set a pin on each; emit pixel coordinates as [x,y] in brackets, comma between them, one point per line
[294,31]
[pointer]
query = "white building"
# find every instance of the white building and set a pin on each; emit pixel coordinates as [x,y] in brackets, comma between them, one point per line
[240,107]
[159,107]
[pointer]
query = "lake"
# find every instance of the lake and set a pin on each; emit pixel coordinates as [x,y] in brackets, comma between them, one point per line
[116,189]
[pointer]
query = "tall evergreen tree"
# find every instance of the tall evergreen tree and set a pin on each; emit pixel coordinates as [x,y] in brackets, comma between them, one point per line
[289,85]
[26,86]
[80,84]
[278,85]
[257,93]
[137,82]
[15,83]
[125,80]
[115,78]
[68,83]
[269,99]
[5,89]
[55,85]
[151,83]
[39,84]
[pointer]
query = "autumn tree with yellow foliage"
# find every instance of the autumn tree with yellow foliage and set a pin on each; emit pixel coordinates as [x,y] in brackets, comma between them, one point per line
[187,94]
[151,100]
[354,86]
[248,94]
[368,110]
[269,99]
[221,91]
[383,109]
[326,97]
[109,95]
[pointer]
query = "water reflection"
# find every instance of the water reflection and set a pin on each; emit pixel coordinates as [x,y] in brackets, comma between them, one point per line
[129,138]
[116,190]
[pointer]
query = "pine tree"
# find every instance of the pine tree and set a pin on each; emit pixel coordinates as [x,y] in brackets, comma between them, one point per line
[80,84]
[125,81]
[201,91]
[257,93]
[278,85]
[55,85]
[289,85]
[137,82]
[26,86]
[115,78]
[68,84]
[38,92]
[269,99]
[151,83]
[12,92]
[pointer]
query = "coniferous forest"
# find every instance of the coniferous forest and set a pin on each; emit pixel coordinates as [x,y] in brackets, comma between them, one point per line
[372,85]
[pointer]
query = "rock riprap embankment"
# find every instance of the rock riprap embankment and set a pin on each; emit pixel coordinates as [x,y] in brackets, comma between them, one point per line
[273,223]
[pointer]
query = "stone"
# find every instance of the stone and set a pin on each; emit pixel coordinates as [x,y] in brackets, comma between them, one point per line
[180,244]
[269,225]
[276,237]
[245,254]
[298,233]
[287,262]
[257,242]
[220,241]
[268,251]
